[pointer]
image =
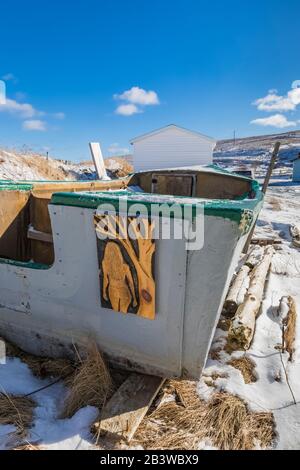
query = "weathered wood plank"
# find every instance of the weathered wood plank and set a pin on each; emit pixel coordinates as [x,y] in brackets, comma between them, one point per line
[124,412]
[237,292]
[288,315]
[126,255]
[38,235]
[295,234]
[98,160]
[12,204]
[242,327]
[266,241]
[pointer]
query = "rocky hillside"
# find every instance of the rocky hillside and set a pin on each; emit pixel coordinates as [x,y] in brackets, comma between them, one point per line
[30,166]
[27,165]
[254,152]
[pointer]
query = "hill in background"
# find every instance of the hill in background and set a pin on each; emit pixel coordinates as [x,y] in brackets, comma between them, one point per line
[249,152]
[254,152]
[28,165]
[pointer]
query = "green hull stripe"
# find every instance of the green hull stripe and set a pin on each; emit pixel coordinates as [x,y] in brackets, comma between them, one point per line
[235,210]
[24,264]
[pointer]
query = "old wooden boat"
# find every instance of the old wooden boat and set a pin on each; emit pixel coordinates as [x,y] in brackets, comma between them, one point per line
[150,303]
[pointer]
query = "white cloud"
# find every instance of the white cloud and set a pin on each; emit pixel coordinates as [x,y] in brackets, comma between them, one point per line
[137,95]
[59,116]
[127,109]
[277,120]
[23,110]
[2,92]
[34,125]
[274,102]
[9,77]
[115,149]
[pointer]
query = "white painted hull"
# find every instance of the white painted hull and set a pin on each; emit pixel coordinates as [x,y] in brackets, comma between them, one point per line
[46,311]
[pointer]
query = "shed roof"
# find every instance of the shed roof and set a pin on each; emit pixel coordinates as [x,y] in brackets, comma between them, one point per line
[171,126]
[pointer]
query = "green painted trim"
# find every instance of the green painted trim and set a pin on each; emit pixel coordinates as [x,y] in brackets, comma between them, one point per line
[83,182]
[241,211]
[12,186]
[217,169]
[24,264]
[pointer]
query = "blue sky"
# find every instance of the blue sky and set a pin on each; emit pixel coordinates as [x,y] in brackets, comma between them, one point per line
[82,71]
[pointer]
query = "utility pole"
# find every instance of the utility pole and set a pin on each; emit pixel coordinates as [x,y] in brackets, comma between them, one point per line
[234,137]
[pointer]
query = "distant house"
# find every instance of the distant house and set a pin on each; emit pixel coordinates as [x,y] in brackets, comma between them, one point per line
[296,169]
[171,146]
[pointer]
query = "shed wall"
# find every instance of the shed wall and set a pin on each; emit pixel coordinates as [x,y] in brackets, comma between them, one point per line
[171,148]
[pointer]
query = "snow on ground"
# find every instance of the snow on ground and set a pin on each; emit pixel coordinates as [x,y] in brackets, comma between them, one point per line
[254,153]
[27,165]
[270,392]
[48,431]
[30,166]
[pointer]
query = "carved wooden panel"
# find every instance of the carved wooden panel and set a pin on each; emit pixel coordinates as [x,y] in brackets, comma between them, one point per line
[126,264]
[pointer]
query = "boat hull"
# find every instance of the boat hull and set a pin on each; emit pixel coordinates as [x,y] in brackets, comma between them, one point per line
[48,310]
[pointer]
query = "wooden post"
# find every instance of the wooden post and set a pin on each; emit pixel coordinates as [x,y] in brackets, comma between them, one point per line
[98,160]
[264,189]
[271,167]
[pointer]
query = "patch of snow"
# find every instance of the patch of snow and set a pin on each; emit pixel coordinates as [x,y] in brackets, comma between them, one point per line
[47,430]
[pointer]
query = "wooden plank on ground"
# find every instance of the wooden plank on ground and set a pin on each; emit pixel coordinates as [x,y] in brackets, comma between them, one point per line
[265,241]
[124,412]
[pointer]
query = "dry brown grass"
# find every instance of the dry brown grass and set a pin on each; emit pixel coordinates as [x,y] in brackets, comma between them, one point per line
[224,419]
[214,354]
[47,169]
[18,411]
[124,169]
[40,366]
[246,366]
[91,383]
[276,206]
[209,382]
[290,328]
[232,426]
[28,446]
[210,379]
[224,323]
[219,375]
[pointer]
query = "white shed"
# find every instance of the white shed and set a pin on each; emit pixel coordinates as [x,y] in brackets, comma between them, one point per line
[296,169]
[171,146]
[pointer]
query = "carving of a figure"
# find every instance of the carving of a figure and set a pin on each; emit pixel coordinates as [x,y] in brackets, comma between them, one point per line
[118,284]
